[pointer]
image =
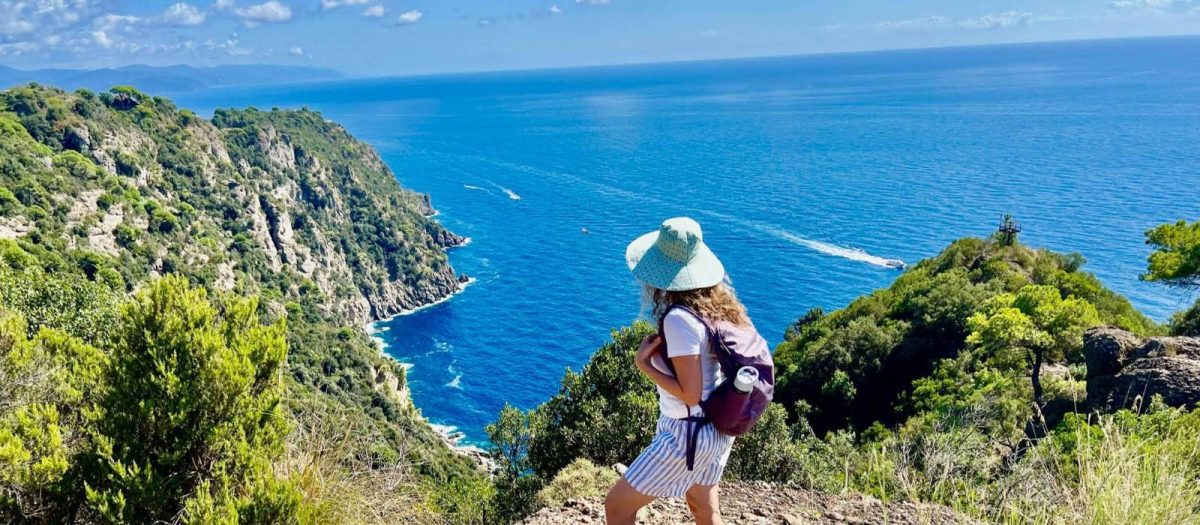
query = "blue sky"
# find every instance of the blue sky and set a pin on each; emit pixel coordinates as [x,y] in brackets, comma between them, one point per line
[402,37]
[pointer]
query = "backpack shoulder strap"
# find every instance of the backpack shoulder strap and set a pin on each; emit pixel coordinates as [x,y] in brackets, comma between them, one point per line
[714,340]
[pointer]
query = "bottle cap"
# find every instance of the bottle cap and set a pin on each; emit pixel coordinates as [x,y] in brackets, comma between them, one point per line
[746,377]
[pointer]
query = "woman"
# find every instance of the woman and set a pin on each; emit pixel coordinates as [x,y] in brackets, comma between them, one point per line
[677,269]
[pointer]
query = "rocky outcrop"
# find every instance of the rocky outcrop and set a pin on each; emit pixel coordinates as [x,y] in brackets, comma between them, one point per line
[762,503]
[1125,369]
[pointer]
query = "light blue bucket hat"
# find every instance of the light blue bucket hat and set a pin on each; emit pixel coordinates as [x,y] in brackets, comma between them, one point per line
[674,258]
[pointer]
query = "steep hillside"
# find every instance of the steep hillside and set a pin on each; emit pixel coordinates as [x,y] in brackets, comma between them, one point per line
[121,188]
[282,201]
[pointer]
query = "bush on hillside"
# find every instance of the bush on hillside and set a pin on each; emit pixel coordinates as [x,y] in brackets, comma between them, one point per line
[580,479]
[858,365]
[1187,322]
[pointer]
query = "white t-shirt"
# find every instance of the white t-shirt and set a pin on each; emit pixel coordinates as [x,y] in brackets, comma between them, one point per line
[685,335]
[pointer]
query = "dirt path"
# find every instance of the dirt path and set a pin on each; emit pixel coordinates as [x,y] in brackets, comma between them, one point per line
[766,504]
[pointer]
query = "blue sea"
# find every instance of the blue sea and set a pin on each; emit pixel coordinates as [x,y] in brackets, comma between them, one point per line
[805,173]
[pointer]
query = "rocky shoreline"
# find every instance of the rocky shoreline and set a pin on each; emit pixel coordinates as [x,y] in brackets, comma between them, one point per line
[433,297]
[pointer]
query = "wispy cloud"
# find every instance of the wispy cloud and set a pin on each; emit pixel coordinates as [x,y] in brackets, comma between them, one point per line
[592,2]
[296,51]
[333,4]
[375,11]
[409,17]
[1157,7]
[270,11]
[555,9]
[999,20]
[1007,19]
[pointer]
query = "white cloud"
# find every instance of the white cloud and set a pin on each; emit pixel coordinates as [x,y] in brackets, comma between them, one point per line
[18,48]
[270,11]
[182,14]
[928,22]
[555,9]
[332,4]
[101,39]
[1005,20]
[592,2]
[296,51]
[15,27]
[110,22]
[230,46]
[223,4]
[375,11]
[22,20]
[409,17]
[1156,7]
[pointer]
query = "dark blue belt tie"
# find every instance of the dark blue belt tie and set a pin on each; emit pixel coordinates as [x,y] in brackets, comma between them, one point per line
[694,425]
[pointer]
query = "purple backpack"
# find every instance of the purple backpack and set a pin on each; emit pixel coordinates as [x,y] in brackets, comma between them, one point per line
[729,410]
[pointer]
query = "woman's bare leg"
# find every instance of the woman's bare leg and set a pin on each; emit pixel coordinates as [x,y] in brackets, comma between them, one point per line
[705,504]
[623,502]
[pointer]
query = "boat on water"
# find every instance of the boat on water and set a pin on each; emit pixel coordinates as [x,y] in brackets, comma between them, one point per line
[895,264]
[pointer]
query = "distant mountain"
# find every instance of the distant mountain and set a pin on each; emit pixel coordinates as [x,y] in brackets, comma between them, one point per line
[168,79]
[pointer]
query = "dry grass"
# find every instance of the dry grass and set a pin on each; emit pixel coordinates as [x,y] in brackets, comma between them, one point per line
[1114,477]
[327,457]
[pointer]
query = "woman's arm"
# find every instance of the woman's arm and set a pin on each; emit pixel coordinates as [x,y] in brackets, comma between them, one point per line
[687,386]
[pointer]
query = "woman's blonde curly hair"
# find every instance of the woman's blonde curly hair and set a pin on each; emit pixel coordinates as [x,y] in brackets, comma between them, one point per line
[715,303]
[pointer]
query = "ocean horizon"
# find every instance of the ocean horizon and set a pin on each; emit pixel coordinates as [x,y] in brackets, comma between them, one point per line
[809,174]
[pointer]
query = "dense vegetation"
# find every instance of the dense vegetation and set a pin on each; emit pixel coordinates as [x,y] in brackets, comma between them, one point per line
[185,402]
[961,384]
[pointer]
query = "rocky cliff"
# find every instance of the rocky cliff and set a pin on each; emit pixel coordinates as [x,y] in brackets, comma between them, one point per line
[1125,370]
[281,200]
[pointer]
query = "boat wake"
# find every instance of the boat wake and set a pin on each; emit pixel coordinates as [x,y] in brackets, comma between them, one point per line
[845,252]
[511,194]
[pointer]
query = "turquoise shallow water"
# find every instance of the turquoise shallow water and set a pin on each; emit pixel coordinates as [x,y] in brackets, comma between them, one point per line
[804,172]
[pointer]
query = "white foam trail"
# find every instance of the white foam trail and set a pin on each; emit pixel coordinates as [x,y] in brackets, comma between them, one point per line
[511,194]
[476,188]
[853,254]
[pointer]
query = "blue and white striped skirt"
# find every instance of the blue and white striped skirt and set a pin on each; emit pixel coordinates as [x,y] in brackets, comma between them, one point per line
[661,470]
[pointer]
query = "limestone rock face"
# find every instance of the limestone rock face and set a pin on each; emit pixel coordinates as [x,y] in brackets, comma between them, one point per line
[1124,369]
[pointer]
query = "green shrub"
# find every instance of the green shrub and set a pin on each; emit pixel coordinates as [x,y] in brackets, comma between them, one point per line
[8,202]
[580,479]
[192,418]
[1187,322]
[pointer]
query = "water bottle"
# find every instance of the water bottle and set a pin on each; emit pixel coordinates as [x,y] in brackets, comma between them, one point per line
[746,377]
